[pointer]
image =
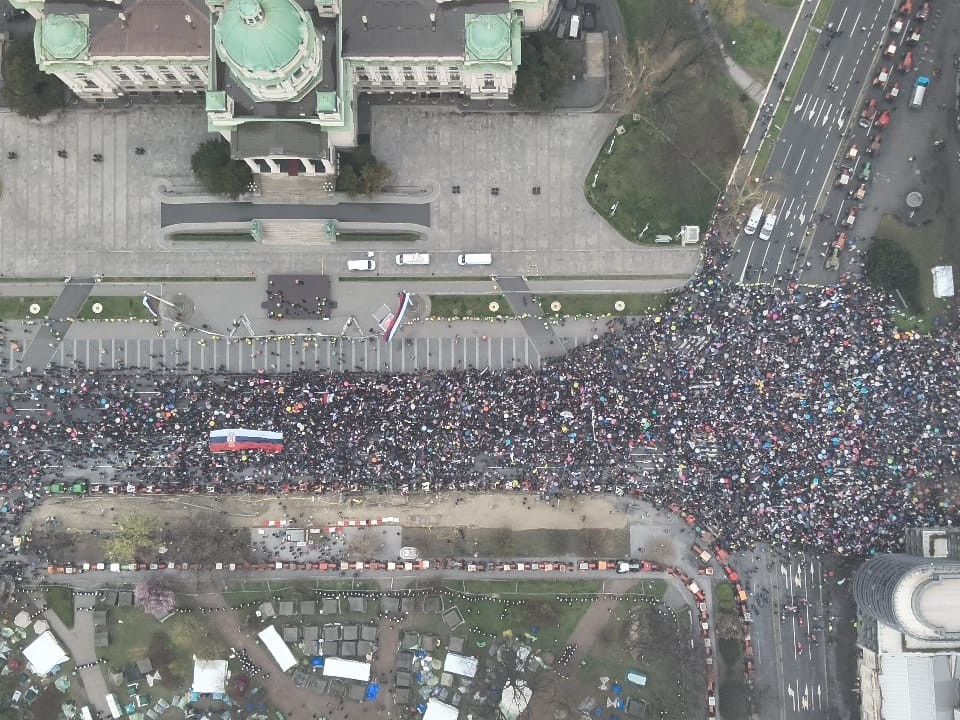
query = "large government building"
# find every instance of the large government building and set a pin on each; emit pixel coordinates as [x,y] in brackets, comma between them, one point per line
[909,629]
[281,77]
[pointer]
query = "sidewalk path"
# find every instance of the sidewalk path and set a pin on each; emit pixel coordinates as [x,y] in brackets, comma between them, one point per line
[744,80]
[72,297]
[80,642]
[518,294]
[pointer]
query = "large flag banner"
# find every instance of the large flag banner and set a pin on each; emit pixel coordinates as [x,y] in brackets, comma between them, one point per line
[397,320]
[230,440]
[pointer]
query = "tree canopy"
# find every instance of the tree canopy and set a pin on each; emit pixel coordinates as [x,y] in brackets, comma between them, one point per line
[27,89]
[361,173]
[889,267]
[543,73]
[217,172]
[136,533]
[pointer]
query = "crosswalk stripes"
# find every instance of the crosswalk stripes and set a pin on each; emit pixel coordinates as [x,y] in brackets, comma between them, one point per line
[646,460]
[691,345]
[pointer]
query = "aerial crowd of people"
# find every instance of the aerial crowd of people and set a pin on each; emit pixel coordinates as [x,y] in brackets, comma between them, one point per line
[799,416]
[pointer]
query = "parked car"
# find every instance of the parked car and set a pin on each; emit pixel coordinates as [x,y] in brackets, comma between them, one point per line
[589,21]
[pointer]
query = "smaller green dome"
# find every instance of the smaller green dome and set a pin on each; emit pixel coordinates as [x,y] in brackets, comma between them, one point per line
[261,36]
[63,37]
[487,36]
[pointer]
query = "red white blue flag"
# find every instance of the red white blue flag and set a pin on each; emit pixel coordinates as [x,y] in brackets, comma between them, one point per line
[396,321]
[230,440]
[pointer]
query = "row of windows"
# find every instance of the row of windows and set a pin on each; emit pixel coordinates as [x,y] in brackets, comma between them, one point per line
[123,73]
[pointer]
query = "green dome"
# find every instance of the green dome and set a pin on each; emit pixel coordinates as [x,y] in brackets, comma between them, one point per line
[487,36]
[63,37]
[261,36]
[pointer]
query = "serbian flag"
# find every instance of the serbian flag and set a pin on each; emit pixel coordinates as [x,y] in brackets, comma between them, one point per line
[241,439]
[397,320]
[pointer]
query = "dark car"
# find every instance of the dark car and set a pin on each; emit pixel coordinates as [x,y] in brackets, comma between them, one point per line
[570,4]
[589,17]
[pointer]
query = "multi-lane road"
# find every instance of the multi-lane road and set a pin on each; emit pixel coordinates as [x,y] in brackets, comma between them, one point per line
[821,123]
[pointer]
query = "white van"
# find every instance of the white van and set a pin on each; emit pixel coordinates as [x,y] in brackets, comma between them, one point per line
[365,264]
[475,259]
[919,90]
[768,224]
[754,220]
[574,27]
[413,259]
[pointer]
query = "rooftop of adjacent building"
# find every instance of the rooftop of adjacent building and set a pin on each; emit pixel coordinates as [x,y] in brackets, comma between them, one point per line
[398,28]
[926,599]
[141,28]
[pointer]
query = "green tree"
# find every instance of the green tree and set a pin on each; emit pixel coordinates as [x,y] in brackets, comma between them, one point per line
[27,89]
[217,171]
[361,173]
[136,534]
[889,267]
[543,72]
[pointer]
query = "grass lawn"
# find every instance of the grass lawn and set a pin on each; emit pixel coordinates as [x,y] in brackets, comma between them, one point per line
[378,237]
[598,304]
[212,237]
[928,245]
[60,600]
[550,620]
[170,645]
[507,543]
[797,72]
[15,308]
[723,597]
[684,127]
[751,41]
[732,688]
[115,307]
[823,10]
[468,306]
[646,637]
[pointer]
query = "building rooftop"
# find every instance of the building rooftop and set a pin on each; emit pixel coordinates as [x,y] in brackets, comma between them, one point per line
[918,687]
[403,28]
[924,598]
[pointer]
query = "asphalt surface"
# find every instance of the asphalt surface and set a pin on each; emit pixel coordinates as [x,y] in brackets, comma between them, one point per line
[821,124]
[41,349]
[368,212]
[541,334]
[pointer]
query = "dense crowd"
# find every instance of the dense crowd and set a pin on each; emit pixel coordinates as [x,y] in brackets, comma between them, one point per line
[801,416]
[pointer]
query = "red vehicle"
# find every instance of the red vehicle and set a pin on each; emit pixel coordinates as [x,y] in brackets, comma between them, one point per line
[732,575]
[907,64]
[869,109]
[907,7]
[883,120]
[722,555]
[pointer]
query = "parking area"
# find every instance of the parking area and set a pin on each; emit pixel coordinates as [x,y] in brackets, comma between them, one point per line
[278,356]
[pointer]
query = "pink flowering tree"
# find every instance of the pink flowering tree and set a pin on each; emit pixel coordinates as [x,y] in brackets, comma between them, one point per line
[155,597]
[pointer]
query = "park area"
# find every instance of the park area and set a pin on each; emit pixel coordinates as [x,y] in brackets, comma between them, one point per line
[684,121]
[608,649]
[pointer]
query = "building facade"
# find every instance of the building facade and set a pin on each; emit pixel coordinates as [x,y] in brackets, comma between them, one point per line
[281,78]
[908,631]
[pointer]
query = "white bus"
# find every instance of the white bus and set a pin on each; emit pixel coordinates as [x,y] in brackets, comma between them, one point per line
[574,27]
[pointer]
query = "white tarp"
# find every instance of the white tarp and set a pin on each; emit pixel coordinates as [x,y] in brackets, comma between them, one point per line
[44,654]
[209,676]
[942,281]
[437,710]
[349,669]
[514,700]
[278,648]
[460,665]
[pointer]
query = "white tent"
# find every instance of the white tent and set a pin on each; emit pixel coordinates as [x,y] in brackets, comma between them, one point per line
[515,698]
[460,665]
[209,676]
[278,648]
[349,669]
[44,654]
[437,710]
[942,281]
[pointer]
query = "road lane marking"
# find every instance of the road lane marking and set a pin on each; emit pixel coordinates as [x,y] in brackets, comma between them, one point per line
[799,106]
[786,156]
[801,159]
[825,58]
[840,23]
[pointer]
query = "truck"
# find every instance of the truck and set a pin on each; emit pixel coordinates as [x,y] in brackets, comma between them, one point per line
[883,120]
[843,179]
[874,147]
[852,153]
[923,13]
[906,65]
[893,93]
[702,554]
[896,27]
[833,258]
[861,193]
[882,76]
[868,113]
[914,37]
[919,91]
[850,217]
[866,171]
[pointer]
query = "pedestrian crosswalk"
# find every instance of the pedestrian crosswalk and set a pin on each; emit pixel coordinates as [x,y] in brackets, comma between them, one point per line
[646,460]
[691,344]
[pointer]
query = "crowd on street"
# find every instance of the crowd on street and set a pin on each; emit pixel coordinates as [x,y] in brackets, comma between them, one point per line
[805,418]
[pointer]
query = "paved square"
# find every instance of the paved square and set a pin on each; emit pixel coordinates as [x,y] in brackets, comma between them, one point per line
[552,232]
